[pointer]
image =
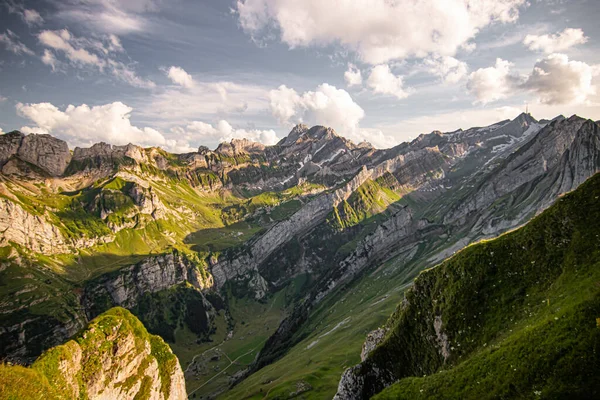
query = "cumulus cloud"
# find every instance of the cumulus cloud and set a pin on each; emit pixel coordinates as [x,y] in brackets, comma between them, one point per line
[386,30]
[556,80]
[13,44]
[353,76]
[556,42]
[180,77]
[448,68]
[382,80]
[83,125]
[492,83]
[327,105]
[83,52]
[62,40]
[209,135]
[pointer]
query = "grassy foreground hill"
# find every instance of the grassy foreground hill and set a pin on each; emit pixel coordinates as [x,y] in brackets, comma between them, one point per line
[114,357]
[513,317]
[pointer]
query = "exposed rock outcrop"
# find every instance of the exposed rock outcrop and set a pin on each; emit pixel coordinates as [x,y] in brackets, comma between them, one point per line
[34,232]
[114,358]
[43,151]
[151,275]
[9,145]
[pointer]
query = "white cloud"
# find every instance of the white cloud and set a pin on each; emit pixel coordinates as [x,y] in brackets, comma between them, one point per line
[83,125]
[32,17]
[385,30]
[13,44]
[492,83]
[353,76]
[115,43]
[449,69]
[109,16]
[554,79]
[209,135]
[557,42]
[327,105]
[61,40]
[205,101]
[180,77]
[382,80]
[90,53]
[49,59]
[559,81]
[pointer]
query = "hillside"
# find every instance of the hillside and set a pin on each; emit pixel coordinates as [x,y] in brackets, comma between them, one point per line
[513,317]
[114,357]
[263,267]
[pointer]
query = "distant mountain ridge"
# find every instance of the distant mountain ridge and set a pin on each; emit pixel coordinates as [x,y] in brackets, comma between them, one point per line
[191,234]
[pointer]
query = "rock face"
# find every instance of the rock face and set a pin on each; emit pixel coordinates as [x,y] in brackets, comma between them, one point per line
[9,145]
[44,151]
[477,314]
[29,230]
[113,358]
[102,152]
[47,152]
[148,276]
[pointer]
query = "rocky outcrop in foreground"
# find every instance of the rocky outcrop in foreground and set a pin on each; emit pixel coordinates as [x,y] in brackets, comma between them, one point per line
[114,358]
[497,319]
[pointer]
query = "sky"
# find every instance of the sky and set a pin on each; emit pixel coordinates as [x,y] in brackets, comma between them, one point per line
[183,73]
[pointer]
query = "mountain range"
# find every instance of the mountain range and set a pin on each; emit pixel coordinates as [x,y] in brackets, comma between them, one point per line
[266,267]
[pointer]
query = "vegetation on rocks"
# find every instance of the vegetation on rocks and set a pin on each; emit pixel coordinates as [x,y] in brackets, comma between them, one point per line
[113,356]
[510,317]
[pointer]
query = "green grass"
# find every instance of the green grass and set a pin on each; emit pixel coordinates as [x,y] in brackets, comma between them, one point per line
[218,239]
[59,374]
[367,303]
[520,313]
[253,321]
[20,383]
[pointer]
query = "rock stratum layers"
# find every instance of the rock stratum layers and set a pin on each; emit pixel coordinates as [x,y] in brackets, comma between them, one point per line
[176,238]
[517,314]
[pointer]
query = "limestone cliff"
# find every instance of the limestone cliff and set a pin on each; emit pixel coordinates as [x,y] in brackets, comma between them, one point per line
[126,286]
[113,358]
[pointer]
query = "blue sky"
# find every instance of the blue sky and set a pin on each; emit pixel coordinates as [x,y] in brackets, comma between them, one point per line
[184,73]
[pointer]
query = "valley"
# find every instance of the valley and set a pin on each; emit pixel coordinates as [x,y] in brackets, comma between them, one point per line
[264,268]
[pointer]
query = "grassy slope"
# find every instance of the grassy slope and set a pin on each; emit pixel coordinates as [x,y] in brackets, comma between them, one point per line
[520,312]
[45,379]
[254,322]
[324,352]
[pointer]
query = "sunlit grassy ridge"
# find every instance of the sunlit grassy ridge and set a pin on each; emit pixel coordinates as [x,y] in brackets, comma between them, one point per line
[63,371]
[519,313]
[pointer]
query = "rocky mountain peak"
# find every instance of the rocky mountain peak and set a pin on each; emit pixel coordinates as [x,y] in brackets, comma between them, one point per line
[44,151]
[296,132]
[107,151]
[240,146]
